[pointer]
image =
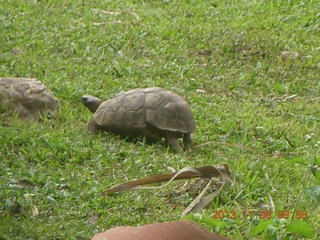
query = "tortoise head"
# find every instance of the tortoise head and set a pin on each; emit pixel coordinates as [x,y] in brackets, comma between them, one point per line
[91,102]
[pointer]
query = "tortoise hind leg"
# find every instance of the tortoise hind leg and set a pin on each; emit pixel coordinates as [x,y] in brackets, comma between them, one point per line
[187,140]
[172,140]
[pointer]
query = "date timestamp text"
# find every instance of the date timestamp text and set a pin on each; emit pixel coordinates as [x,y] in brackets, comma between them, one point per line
[259,214]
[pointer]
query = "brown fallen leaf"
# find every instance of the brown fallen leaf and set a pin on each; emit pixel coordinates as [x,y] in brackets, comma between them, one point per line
[93,219]
[206,52]
[24,183]
[35,211]
[14,210]
[201,90]
[212,173]
[286,55]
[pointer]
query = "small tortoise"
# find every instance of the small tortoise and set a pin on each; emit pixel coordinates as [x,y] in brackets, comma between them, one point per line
[152,112]
[28,97]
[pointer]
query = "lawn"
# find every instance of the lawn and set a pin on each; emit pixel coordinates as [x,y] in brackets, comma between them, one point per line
[255,110]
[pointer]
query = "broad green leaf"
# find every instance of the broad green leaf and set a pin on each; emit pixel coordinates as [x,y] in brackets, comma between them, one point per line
[316,169]
[213,222]
[51,199]
[261,227]
[316,172]
[314,192]
[188,217]
[192,217]
[298,160]
[301,228]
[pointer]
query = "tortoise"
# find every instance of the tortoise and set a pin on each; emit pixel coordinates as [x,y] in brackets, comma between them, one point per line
[153,113]
[28,97]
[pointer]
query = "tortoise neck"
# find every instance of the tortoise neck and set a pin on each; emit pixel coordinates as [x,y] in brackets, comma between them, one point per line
[93,107]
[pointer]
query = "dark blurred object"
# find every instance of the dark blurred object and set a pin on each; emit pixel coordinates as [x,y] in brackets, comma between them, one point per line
[178,230]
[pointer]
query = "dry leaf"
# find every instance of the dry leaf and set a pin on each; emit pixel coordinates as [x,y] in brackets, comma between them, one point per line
[14,209]
[213,173]
[286,55]
[24,183]
[201,90]
[93,219]
[116,13]
[35,211]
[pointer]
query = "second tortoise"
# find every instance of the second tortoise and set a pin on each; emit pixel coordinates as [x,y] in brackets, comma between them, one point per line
[152,112]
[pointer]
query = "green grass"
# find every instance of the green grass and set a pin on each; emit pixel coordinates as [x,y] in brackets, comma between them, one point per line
[230,49]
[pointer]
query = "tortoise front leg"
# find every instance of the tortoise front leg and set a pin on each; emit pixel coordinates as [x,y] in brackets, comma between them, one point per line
[187,141]
[172,140]
[93,127]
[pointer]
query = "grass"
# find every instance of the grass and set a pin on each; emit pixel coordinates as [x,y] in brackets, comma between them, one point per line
[251,97]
